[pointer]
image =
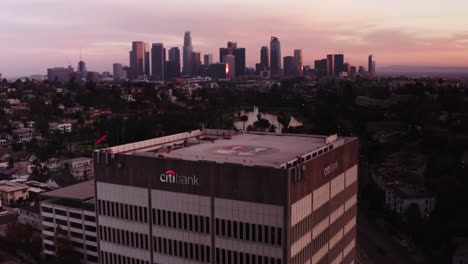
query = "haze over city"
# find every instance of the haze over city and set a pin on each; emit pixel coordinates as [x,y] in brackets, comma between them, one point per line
[37,34]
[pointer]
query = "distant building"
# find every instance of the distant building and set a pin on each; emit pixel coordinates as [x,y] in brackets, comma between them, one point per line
[62,127]
[72,209]
[147,59]
[196,63]
[12,193]
[208,59]
[290,67]
[187,54]
[173,64]
[353,72]
[298,61]
[230,60]
[218,70]
[82,69]
[238,53]
[118,72]
[80,168]
[93,77]
[339,64]
[362,70]
[62,75]
[371,65]
[331,65]
[398,197]
[158,61]
[265,57]
[275,56]
[137,60]
[321,67]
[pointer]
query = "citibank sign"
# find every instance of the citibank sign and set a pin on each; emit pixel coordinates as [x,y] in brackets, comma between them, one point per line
[330,168]
[171,177]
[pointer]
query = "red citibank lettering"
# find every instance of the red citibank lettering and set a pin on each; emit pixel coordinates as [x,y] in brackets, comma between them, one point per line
[171,177]
[330,168]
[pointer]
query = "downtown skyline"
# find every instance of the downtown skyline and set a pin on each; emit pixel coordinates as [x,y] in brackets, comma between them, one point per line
[411,36]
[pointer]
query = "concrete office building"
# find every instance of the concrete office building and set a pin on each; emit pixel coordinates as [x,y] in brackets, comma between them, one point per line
[321,67]
[196,63]
[62,75]
[371,65]
[218,196]
[173,64]
[187,53]
[238,53]
[72,209]
[208,59]
[298,61]
[339,64]
[289,64]
[230,60]
[118,72]
[218,70]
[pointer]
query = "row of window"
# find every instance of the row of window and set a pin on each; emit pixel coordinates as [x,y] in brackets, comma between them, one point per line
[111,258]
[187,222]
[90,258]
[70,214]
[224,256]
[123,211]
[124,237]
[186,250]
[249,232]
[64,224]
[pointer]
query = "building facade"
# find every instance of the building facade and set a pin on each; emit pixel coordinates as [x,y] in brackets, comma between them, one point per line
[187,54]
[137,60]
[158,61]
[217,196]
[71,209]
[275,56]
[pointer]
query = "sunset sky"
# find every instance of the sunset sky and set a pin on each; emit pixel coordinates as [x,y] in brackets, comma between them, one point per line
[37,34]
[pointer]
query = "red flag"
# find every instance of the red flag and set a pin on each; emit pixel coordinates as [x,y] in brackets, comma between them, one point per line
[99,141]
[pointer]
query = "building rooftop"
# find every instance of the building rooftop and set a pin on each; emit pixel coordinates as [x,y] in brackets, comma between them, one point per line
[226,146]
[8,186]
[81,191]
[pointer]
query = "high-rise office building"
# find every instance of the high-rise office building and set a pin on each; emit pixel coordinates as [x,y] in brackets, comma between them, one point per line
[230,60]
[82,69]
[298,61]
[331,65]
[264,57]
[239,54]
[290,67]
[118,72]
[218,70]
[196,63]
[352,72]
[173,64]
[321,67]
[187,54]
[208,59]
[371,65]
[275,56]
[339,64]
[147,59]
[362,69]
[158,61]
[214,196]
[137,60]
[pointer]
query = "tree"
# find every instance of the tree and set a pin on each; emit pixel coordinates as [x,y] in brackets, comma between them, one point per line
[284,120]
[40,173]
[244,119]
[19,235]
[64,252]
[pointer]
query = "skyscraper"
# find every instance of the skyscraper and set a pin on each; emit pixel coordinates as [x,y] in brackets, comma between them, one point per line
[331,65]
[158,61]
[230,60]
[187,53]
[321,67]
[147,59]
[196,62]
[371,65]
[298,61]
[275,56]
[290,68]
[239,54]
[339,64]
[137,60]
[82,69]
[264,57]
[208,59]
[118,71]
[173,65]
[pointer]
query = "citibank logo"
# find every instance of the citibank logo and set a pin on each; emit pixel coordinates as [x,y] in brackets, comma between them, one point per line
[171,177]
[330,168]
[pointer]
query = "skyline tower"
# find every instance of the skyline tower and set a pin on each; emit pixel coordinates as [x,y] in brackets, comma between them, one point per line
[298,61]
[275,56]
[137,60]
[339,64]
[208,59]
[264,57]
[187,53]
[173,65]
[239,54]
[371,65]
[290,68]
[331,65]
[82,68]
[230,60]
[158,61]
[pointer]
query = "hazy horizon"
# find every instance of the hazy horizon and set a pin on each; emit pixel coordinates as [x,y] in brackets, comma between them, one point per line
[40,34]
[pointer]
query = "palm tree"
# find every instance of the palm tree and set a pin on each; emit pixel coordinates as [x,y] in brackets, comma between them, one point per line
[244,119]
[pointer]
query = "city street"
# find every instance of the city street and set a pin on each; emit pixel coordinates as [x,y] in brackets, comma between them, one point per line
[375,246]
